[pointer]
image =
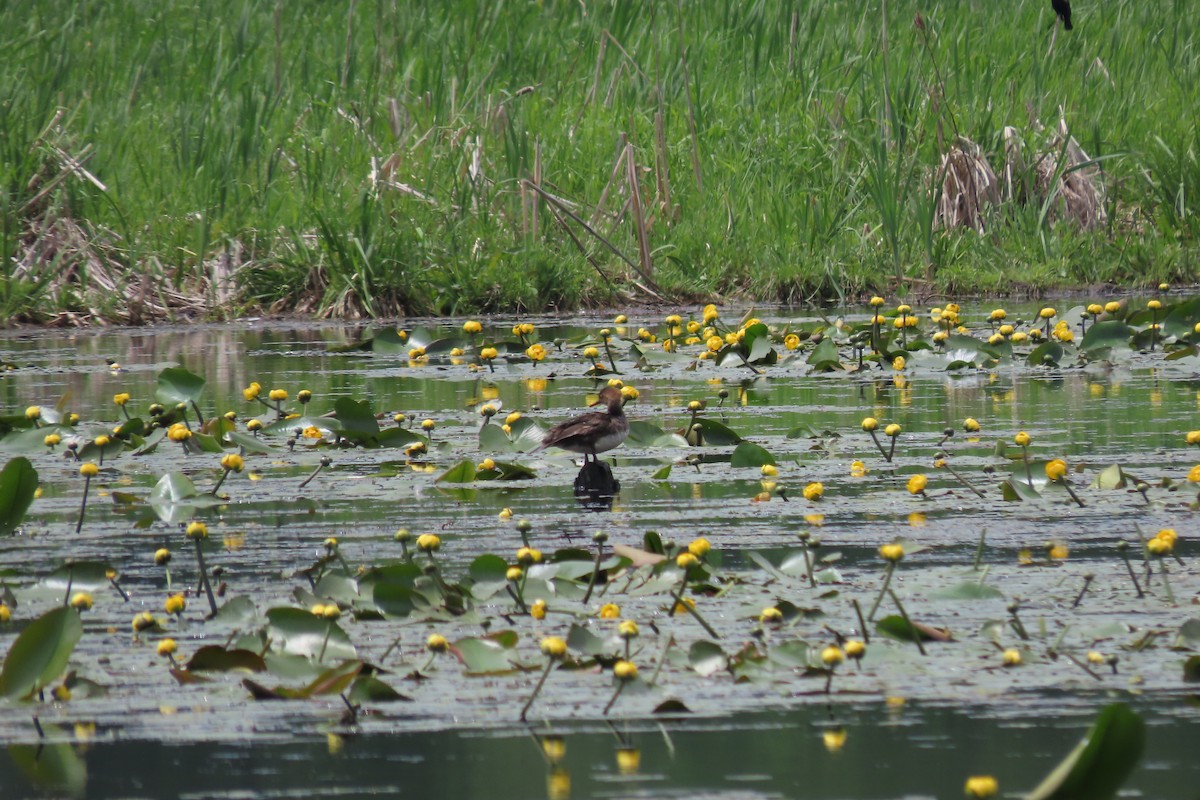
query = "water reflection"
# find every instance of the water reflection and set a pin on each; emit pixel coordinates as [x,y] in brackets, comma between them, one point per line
[870,751]
[595,486]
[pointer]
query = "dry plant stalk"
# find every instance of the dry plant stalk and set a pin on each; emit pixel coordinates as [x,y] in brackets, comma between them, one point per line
[1063,173]
[969,187]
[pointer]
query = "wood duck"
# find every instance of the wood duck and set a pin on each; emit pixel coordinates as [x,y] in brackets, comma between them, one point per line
[593,432]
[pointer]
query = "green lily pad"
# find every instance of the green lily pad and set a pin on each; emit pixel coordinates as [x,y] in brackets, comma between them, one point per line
[748,454]
[178,385]
[39,655]
[824,357]
[214,658]
[1105,335]
[707,658]
[969,590]
[18,484]
[484,656]
[1099,765]
[298,632]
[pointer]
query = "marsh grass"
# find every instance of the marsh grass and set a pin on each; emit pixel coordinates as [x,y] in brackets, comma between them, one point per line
[366,159]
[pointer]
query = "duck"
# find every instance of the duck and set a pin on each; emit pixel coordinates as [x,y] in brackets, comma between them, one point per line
[593,432]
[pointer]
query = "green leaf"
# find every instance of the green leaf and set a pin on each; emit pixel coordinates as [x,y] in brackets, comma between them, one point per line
[1045,354]
[178,385]
[1106,335]
[791,653]
[394,599]
[18,484]
[1099,765]
[214,658]
[896,627]
[54,768]
[488,568]
[251,444]
[483,656]
[1111,477]
[748,454]
[462,472]
[298,632]
[969,590]
[824,357]
[662,474]
[1017,489]
[707,658]
[1190,631]
[369,689]
[355,420]
[39,655]
[715,433]
[1191,670]
[582,640]
[172,488]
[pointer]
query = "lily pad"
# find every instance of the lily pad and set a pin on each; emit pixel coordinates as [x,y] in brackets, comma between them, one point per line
[18,485]
[39,655]
[1099,765]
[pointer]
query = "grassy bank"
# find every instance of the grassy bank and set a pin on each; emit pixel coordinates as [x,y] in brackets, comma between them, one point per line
[173,158]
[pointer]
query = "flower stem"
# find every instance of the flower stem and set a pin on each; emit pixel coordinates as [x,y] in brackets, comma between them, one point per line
[1162,568]
[87,481]
[216,488]
[1067,485]
[887,580]
[882,452]
[979,549]
[212,601]
[538,688]
[325,641]
[1028,471]
[617,693]
[912,629]
[862,623]
[595,572]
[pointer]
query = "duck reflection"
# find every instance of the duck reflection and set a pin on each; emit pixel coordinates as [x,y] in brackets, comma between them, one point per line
[595,486]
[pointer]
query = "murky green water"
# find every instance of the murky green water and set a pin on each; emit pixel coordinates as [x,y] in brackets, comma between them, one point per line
[459,737]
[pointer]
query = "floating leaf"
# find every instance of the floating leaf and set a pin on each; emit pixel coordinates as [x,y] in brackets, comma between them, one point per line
[18,484]
[52,766]
[1101,762]
[582,640]
[896,627]
[716,433]
[969,590]
[1105,335]
[39,655]
[824,357]
[214,658]
[483,656]
[369,689]
[298,632]
[707,658]
[355,420]
[1111,477]
[1190,632]
[462,472]
[178,385]
[1017,489]
[1045,354]
[748,454]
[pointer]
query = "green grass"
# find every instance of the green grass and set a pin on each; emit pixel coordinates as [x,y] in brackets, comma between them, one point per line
[769,163]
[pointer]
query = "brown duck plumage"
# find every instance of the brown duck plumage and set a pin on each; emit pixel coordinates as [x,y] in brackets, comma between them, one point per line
[593,432]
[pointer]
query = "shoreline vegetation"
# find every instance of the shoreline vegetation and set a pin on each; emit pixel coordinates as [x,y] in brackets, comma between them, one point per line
[189,160]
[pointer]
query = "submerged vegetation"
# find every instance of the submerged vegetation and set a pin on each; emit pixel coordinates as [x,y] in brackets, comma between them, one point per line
[176,543]
[161,160]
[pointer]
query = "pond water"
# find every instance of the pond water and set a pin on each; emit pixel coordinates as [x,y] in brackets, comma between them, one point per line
[755,725]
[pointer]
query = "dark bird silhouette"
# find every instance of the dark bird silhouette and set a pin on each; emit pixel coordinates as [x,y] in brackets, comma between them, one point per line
[593,432]
[1063,9]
